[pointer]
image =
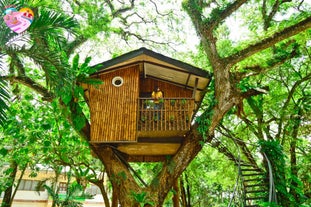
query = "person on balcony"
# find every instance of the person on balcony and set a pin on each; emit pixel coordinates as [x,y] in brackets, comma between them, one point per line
[157,96]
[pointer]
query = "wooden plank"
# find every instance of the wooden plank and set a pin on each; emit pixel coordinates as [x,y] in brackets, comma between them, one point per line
[160,140]
[149,149]
[143,158]
[164,133]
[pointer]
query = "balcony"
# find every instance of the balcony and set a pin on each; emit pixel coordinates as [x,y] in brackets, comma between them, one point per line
[172,120]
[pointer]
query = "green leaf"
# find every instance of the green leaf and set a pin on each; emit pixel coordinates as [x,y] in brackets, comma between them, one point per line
[75,62]
[78,91]
[84,67]
[79,122]
[28,97]
[47,143]
[66,98]
[46,126]
[3,152]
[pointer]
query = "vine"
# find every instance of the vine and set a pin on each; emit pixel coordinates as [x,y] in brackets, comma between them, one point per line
[204,121]
[274,151]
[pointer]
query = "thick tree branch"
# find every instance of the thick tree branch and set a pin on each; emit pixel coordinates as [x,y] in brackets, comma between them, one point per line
[205,27]
[216,20]
[274,62]
[26,81]
[268,17]
[268,42]
[118,12]
[255,92]
[75,44]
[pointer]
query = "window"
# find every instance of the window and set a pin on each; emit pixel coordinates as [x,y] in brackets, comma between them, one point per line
[62,186]
[30,185]
[117,81]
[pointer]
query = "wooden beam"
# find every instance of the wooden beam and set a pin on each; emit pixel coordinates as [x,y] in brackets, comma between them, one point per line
[161,140]
[195,87]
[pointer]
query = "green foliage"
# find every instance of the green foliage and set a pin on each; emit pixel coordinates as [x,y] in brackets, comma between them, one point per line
[204,120]
[73,94]
[141,198]
[274,151]
[245,84]
[54,36]
[210,177]
[4,96]
[82,71]
[93,19]
[51,23]
[72,198]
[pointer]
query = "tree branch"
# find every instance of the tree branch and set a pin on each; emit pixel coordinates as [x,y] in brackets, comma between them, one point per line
[26,81]
[216,20]
[257,69]
[75,44]
[118,12]
[289,97]
[268,42]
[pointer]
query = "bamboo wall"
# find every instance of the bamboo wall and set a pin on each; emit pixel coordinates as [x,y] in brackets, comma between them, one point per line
[114,109]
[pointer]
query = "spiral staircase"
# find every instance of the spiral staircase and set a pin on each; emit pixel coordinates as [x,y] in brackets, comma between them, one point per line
[253,186]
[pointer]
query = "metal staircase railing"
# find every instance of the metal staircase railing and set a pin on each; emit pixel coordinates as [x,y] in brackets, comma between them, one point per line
[252,186]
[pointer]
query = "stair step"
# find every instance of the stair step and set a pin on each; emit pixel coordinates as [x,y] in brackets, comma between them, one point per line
[251,170]
[253,174]
[255,185]
[246,164]
[255,198]
[254,179]
[256,191]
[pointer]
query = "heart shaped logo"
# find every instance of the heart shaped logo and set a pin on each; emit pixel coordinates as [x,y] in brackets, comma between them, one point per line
[18,21]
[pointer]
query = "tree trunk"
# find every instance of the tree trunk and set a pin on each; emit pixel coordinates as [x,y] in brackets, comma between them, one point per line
[18,183]
[7,198]
[176,194]
[183,193]
[124,184]
[294,186]
[101,186]
[115,198]
[121,178]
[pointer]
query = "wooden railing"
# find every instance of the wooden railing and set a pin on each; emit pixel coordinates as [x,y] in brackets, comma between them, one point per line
[174,114]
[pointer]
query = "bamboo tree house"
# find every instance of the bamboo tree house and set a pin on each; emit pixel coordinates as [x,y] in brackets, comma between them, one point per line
[122,112]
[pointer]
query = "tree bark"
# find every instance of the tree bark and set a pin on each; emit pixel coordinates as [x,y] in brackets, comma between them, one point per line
[7,198]
[293,160]
[115,198]
[122,180]
[176,194]
[183,193]
[100,185]
[124,184]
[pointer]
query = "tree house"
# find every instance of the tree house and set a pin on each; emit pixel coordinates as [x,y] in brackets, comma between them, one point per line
[122,112]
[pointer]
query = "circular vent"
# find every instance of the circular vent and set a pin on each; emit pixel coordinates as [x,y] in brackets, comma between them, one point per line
[117,81]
